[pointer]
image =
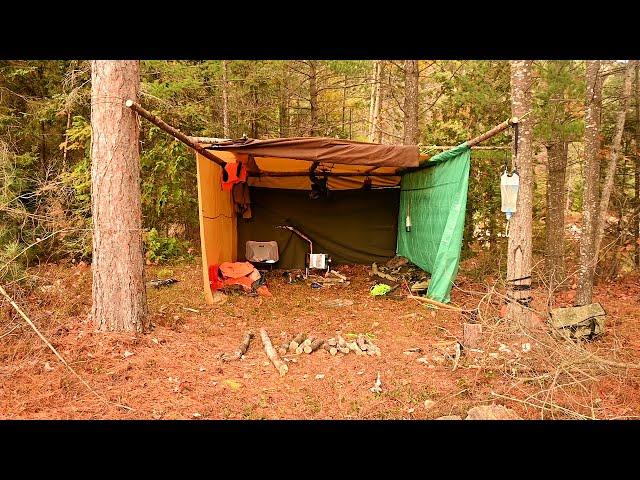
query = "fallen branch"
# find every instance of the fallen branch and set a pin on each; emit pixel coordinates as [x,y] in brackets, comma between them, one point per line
[244,346]
[52,348]
[439,304]
[272,354]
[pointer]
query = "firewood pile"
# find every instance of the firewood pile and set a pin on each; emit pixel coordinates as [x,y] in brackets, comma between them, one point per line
[303,343]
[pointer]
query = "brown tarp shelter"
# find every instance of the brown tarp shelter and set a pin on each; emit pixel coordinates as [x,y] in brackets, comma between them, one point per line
[353,225]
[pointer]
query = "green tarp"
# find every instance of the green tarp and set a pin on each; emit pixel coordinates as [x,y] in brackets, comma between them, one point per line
[436,199]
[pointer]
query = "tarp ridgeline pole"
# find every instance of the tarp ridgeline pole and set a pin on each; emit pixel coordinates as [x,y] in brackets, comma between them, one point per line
[161,124]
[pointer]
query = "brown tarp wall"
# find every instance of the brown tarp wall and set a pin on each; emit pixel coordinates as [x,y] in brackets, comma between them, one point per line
[352,226]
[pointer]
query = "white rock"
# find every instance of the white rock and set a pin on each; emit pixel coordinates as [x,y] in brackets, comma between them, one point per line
[423,360]
[428,404]
[196,415]
[526,347]
[127,353]
[320,376]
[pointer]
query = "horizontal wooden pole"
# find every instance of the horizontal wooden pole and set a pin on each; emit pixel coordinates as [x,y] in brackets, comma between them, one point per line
[474,147]
[493,132]
[471,143]
[162,125]
[210,140]
[328,174]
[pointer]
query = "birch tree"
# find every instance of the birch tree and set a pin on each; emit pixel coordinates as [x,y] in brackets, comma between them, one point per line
[593,106]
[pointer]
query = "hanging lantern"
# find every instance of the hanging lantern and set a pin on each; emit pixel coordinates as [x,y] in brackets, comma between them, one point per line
[509,192]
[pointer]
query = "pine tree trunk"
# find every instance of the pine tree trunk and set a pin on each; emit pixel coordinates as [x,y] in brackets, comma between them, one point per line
[556,192]
[374,130]
[225,100]
[372,97]
[344,103]
[283,107]
[411,133]
[118,293]
[255,108]
[313,97]
[519,244]
[636,219]
[593,103]
[613,159]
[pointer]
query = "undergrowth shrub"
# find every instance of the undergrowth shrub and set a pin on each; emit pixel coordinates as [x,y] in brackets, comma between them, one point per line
[161,249]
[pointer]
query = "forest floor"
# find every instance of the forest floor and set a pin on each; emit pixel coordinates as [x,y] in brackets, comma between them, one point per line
[173,372]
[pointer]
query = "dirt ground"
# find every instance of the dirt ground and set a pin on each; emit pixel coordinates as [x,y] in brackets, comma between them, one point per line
[173,372]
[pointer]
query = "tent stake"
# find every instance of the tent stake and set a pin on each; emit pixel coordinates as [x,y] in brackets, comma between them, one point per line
[162,125]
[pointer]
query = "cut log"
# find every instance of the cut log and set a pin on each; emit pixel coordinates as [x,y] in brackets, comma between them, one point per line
[244,346]
[304,344]
[331,349]
[295,343]
[472,334]
[362,343]
[315,345]
[372,349]
[284,347]
[272,354]
[353,346]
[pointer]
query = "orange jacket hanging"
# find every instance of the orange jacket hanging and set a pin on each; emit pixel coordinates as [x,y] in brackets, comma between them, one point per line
[233,173]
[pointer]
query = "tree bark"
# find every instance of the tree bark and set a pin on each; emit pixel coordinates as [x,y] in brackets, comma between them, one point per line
[283,107]
[556,192]
[255,109]
[411,132]
[519,244]
[376,96]
[118,291]
[593,104]
[225,100]
[313,97]
[613,159]
[636,218]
